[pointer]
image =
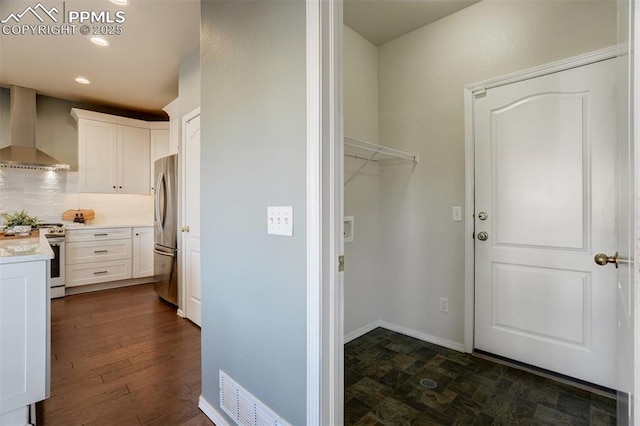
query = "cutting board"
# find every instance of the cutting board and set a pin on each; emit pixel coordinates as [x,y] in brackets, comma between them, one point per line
[71,214]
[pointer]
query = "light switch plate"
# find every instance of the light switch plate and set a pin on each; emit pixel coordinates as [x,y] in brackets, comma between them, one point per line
[456,214]
[280,221]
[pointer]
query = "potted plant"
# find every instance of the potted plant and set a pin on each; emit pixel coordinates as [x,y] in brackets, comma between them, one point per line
[20,222]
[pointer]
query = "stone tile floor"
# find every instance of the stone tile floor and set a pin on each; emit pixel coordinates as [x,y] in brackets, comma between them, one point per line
[383,371]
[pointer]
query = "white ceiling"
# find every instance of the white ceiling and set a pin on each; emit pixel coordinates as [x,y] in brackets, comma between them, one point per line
[139,71]
[380,21]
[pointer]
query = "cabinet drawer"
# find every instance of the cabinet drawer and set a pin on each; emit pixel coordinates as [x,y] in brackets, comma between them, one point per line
[98,272]
[97,234]
[97,251]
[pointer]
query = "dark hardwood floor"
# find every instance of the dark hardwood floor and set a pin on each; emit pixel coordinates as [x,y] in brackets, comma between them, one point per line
[122,357]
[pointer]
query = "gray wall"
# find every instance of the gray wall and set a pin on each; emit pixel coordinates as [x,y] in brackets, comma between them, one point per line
[421,81]
[253,62]
[56,133]
[363,285]
[189,82]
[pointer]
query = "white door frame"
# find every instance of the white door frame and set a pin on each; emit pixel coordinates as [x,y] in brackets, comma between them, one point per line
[182,255]
[325,333]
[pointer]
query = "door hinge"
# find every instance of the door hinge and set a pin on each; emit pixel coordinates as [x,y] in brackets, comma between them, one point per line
[341,263]
[479,92]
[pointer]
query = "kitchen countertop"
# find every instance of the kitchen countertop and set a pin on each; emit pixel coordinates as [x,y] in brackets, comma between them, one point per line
[105,225]
[25,250]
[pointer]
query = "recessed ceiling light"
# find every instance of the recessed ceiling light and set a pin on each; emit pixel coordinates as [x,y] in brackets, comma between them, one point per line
[100,41]
[82,80]
[120,2]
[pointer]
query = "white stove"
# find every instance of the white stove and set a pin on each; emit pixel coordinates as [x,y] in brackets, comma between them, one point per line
[55,233]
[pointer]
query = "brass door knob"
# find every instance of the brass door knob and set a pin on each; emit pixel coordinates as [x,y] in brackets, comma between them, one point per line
[603,259]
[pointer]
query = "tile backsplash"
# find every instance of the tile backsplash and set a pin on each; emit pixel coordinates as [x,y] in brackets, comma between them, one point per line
[48,194]
[41,193]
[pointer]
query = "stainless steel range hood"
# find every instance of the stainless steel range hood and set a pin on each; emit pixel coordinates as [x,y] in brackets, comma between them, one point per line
[22,153]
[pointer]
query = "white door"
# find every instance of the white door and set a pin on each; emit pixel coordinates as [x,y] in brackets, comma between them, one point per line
[191,229]
[546,186]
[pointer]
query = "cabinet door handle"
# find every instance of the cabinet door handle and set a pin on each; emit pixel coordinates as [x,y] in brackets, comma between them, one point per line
[114,187]
[101,251]
[100,272]
[100,235]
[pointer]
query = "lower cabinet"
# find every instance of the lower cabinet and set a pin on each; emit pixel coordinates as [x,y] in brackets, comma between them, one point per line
[112,254]
[98,272]
[142,252]
[24,338]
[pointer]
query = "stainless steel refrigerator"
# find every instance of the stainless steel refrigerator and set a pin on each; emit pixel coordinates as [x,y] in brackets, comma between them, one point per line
[165,247]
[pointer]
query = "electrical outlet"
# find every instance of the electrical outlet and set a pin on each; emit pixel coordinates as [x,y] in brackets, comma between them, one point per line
[444,304]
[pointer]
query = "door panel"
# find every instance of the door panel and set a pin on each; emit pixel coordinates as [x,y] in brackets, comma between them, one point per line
[133,155]
[549,134]
[546,177]
[565,293]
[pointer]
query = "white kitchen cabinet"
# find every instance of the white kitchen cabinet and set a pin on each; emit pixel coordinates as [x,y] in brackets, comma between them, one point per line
[24,337]
[98,272]
[98,251]
[115,153]
[173,110]
[160,146]
[98,255]
[97,234]
[142,252]
[133,160]
[97,156]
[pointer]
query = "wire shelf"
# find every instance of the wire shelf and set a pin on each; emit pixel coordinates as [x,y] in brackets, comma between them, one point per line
[372,152]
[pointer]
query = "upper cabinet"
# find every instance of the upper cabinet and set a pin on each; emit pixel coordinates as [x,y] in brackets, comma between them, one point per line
[173,110]
[160,146]
[133,160]
[114,153]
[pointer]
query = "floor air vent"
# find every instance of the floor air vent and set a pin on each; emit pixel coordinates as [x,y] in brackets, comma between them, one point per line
[243,407]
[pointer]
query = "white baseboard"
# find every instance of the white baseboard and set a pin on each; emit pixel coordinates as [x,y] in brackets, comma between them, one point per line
[180,313]
[407,332]
[361,331]
[213,414]
[423,336]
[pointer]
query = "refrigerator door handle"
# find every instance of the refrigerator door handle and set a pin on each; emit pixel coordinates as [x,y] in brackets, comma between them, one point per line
[163,253]
[161,201]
